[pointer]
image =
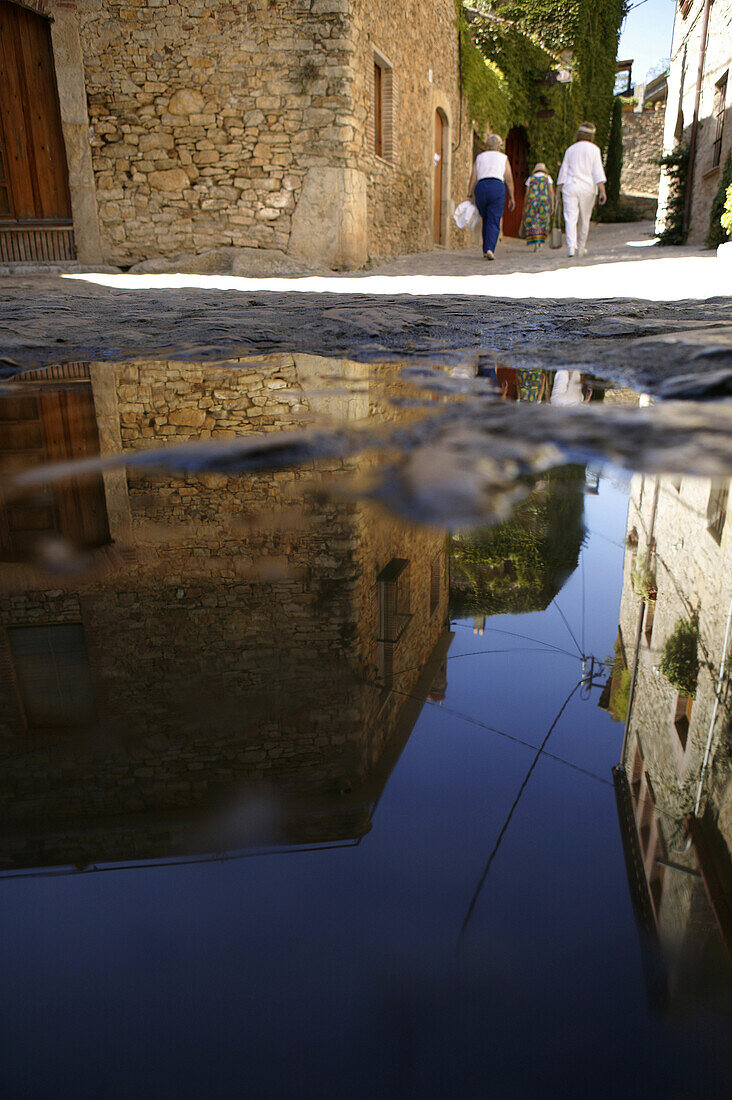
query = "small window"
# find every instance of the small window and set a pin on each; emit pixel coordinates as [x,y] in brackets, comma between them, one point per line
[381,121]
[637,774]
[720,96]
[52,673]
[682,717]
[717,510]
[394,599]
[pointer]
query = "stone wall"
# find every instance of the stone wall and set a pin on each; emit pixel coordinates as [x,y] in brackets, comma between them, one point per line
[216,125]
[207,116]
[642,146]
[685,53]
[232,640]
[693,573]
[419,38]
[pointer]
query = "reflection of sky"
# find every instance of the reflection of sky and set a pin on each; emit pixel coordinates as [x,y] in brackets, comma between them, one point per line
[337,973]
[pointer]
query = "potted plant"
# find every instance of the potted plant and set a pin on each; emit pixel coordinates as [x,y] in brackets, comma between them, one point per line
[643,580]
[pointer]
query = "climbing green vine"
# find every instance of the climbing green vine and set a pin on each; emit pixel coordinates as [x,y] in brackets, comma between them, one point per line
[526,40]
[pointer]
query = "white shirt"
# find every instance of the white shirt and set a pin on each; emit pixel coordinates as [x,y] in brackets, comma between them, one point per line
[581,167]
[490,166]
[567,388]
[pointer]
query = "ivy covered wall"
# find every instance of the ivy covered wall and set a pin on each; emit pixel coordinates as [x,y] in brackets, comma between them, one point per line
[524,40]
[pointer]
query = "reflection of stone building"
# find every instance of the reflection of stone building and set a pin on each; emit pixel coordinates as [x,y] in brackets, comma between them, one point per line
[701,57]
[324,128]
[229,630]
[675,784]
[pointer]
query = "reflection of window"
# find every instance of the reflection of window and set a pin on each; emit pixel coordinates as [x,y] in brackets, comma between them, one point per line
[717,510]
[655,884]
[52,673]
[381,121]
[720,95]
[682,717]
[393,595]
[434,584]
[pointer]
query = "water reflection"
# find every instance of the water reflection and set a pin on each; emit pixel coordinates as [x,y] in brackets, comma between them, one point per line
[671,686]
[198,662]
[239,630]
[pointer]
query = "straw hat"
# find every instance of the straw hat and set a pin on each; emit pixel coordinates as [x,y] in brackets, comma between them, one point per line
[540,167]
[586,128]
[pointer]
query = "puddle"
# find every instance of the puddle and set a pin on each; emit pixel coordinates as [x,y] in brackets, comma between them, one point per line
[364,723]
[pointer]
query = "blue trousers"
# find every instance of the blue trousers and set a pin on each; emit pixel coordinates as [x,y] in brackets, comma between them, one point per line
[490,198]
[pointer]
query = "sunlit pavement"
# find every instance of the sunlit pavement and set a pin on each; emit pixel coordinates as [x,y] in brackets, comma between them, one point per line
[622,262]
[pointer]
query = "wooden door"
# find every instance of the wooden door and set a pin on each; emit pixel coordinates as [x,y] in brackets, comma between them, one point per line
[47,425]
[517,151]
[35,204]
[35,157]
[437,181]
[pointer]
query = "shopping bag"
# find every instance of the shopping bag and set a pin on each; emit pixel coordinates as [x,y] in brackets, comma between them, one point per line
[555,237]
[466,215]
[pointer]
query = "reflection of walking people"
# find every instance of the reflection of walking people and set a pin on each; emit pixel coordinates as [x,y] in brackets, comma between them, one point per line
[491,179]
[579,179]
[538,206]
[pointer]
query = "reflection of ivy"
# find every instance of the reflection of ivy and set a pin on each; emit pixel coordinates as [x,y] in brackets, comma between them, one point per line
[680,659]
[518,566]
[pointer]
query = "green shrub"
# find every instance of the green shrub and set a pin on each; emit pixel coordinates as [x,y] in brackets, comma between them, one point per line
[614,157]
[676,164]
[726,218]
[720,216]
[680,659]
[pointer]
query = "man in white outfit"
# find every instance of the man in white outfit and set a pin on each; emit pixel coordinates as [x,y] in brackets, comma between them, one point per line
[579,179]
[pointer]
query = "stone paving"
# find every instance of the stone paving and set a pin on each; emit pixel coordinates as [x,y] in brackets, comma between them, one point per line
[643,316]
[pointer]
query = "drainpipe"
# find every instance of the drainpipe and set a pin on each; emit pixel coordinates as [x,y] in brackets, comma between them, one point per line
[695,120]
[720,684]
[639,625]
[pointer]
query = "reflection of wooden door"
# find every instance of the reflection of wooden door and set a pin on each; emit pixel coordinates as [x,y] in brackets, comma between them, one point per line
[517,151]
[34,189]
[437,182]
[46,426]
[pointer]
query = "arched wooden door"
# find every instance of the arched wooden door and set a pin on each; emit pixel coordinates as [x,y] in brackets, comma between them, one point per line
[517,151]
[438,179]
[35,205]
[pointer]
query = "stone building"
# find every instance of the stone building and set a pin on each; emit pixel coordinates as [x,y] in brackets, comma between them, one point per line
[333,130]
[643,128]
[216,633]
[675,781]
[700,103]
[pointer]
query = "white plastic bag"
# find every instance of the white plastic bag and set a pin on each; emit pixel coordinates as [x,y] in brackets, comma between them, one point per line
[466,215]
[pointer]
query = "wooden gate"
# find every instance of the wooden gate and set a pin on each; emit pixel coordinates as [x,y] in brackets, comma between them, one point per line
[517,151]
[35,205]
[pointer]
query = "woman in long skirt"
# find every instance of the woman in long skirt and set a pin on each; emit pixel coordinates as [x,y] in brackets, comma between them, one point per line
[490,181]
[538,206]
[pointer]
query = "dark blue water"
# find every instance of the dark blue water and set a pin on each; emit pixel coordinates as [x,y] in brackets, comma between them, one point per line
[402,965]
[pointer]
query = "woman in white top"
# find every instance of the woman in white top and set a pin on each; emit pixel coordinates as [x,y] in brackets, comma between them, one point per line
[490,181]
